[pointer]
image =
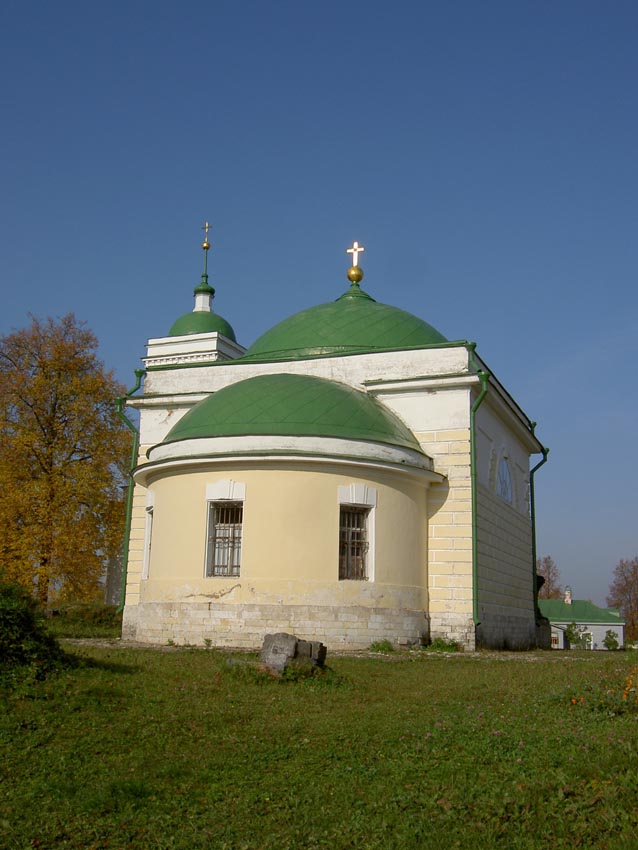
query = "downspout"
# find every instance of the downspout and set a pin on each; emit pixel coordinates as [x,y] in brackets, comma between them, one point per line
[120,403]
[484,378]
[532,504]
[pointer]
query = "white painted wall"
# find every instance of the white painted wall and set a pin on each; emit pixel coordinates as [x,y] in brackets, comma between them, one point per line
[495,440]
[355,370]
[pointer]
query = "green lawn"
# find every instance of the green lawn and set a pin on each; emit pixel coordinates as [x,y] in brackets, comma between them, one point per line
[182,749]
[85,621]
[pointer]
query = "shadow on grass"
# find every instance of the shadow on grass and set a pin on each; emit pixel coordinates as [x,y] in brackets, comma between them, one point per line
[34,682]
[79,661]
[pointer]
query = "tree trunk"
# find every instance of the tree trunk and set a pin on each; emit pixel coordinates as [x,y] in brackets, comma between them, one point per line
[42,591]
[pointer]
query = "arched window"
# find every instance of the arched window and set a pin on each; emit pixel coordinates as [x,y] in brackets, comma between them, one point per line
[504,481]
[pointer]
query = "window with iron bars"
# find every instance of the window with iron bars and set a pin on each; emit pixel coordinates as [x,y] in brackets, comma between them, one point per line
[353,542]
[223,554]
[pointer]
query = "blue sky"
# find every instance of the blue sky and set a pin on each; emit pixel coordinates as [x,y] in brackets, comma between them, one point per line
[484,153]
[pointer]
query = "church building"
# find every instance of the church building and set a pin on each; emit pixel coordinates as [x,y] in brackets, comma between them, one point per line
[351,477]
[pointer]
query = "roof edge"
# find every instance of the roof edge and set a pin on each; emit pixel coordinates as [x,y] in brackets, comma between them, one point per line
[275,445]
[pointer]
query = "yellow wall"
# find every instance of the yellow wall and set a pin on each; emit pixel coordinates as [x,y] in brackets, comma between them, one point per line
[291,533]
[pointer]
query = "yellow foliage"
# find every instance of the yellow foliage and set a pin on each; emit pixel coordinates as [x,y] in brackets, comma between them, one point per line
[63,460]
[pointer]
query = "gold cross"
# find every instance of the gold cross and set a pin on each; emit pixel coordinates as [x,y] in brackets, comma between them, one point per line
[206,243]
[355,251]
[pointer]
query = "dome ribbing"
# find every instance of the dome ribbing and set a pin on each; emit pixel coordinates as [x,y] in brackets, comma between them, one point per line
[354,323]
[293,405]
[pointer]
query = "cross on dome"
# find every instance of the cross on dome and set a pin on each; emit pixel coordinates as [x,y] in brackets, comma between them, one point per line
[206,249]
[355,251]
[206,243]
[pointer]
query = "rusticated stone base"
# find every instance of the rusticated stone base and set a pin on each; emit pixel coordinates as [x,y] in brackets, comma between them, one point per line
[454,627]
[217,624]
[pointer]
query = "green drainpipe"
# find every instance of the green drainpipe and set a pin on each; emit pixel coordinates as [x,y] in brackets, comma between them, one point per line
[120,402]
[484,377]
[532,504]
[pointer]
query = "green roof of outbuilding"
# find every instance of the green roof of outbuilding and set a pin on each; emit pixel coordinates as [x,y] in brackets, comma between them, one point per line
[293,405]
[354,323]
[201,322]
[580,611]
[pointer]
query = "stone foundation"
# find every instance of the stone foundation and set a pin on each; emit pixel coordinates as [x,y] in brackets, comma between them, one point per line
[453,627]
[196,623]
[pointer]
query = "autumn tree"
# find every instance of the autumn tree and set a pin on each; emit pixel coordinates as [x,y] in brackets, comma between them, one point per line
[623,594]
[551,587]
[63,458]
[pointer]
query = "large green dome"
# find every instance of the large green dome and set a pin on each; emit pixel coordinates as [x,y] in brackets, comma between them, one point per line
[292,405]
[354,323]
[201,322]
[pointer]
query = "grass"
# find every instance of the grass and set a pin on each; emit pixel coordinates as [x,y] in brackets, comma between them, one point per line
[85,621]
[178,748]
[382,646]
[441,644]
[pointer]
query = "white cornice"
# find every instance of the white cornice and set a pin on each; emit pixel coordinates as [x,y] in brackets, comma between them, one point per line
[378,386]
[191,349]
[181,400]
[281,445]
[153,469]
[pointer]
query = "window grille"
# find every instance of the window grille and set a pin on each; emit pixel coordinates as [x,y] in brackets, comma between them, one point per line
[353,542]
[224,538]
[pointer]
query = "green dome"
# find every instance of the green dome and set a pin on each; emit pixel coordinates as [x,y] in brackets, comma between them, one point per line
[354,323]
[202,322]
[292,405]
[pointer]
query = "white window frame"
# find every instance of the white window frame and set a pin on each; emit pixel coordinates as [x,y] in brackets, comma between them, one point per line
[217,493]
[148,535]
[365,498]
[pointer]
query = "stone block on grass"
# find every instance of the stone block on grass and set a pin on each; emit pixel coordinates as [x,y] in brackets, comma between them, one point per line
[280,650]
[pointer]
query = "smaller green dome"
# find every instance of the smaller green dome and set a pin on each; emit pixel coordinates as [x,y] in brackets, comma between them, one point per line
[202,322]
[296,406]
